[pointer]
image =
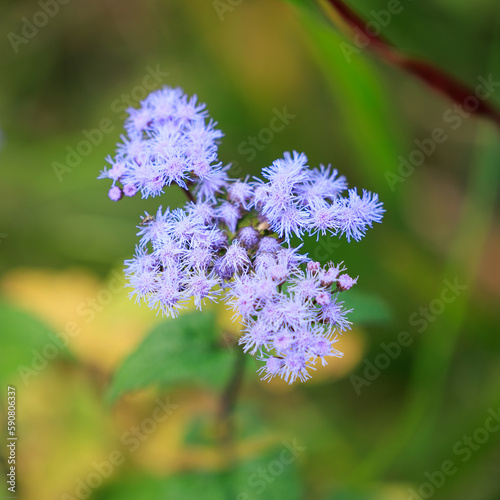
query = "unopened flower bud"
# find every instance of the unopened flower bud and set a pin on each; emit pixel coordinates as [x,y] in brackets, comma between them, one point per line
[323,298]
[345,282]
[329,277]
[313,266]
[115,193]
[248,237]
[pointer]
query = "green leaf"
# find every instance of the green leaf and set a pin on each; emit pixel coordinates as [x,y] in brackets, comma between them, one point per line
[368,308]
[272,476]
[199,431]
[354,493]
[27,345]
[177,351]
[186,486]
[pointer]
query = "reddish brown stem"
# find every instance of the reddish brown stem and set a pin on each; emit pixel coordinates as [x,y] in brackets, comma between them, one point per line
[189,195]
[433,76]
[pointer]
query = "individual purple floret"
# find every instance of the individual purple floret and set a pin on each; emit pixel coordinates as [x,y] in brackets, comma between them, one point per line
[229,214]
[268,244]
[201,286]
[240,192]
[233,238]
[322,185]
[356,214]
[249,237]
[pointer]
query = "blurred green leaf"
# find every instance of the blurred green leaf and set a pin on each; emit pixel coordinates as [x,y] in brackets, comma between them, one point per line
[26,345]
[249,424]
[368,308]
[200,431]
[180,350]
[352,494]
[359,92]
[187,486]
[347,496]
[272,476]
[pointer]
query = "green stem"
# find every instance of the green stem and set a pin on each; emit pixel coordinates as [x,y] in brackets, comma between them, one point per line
[227,404]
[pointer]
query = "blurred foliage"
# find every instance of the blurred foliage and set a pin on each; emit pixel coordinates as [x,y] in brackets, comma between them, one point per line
[62,243]
[232,484]
[189,343]
[22,334]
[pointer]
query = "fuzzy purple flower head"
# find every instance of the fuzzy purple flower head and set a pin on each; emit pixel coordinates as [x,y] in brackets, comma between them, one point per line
[232,239]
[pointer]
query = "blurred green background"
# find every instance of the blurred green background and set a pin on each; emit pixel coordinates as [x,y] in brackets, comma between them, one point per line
[365,430]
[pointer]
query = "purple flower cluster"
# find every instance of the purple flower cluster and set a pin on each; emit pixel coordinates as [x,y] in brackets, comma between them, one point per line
[296,200]
[169,140]
[234,241]
[290,315]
